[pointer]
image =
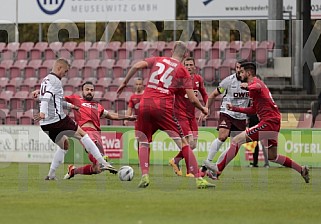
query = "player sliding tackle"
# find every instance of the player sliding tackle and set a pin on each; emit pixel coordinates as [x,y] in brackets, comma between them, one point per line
[265,131]
[59,126]
[167,78]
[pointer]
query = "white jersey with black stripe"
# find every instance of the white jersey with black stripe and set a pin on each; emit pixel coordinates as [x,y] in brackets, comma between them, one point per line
[230,87]
[52,92]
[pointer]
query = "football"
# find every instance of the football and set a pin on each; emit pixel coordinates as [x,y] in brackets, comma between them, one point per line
[126,173]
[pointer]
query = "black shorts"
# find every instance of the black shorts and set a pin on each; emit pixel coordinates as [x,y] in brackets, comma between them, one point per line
[55,131]
[228,122]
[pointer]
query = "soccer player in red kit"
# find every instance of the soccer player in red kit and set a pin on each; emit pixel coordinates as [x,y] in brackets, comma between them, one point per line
[156,111]
[133,104]
[88,116]
[266,130]
[185,114]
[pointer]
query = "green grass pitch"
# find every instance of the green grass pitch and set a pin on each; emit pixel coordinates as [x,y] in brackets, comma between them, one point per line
[243,195]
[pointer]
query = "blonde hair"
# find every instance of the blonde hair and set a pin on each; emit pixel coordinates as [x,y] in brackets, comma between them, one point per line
[179,49]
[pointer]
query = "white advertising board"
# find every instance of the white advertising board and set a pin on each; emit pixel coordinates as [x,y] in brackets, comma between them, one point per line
[48,11]
[25,144]
[244,9]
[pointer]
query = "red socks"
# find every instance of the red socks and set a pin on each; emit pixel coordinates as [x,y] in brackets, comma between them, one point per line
[84,170]
[230,154]
[190,160]
[143,154]
[287,162]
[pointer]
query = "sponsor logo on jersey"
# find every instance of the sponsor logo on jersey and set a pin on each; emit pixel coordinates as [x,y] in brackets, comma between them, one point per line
[89,105]
[241,95]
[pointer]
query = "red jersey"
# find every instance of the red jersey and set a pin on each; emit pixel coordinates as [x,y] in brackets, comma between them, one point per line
[262,102]
[89,111]
[183,107]
[167,77]
[134,102]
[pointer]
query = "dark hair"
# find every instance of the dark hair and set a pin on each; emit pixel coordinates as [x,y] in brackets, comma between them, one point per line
[86,83]
[249,66]
[189,59]
[241,61]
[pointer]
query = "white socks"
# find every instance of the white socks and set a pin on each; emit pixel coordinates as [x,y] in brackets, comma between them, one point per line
[92,149]
[215,146]
[56,161]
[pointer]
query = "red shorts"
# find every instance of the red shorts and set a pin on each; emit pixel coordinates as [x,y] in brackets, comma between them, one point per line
[228,122]
[95,136]
[189,127]
[156,114]
[265,131]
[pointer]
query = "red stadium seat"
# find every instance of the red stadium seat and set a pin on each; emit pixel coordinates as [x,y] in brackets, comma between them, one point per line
[16,69]
[22,52]
[111,49]
[31,69]
[45,68]
[37,51]
[4,67]
[201,50]
[89,69]
[104,69]
[125,51]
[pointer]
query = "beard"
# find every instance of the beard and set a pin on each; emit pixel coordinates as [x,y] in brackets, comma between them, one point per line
[88,97]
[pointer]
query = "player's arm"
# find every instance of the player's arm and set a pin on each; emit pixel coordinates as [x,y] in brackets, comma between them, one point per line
[194,100]
[132,71]
[46,95]
[245,110]
[67,103]
[129,112]
[203,92]
[213,95]
[115,116]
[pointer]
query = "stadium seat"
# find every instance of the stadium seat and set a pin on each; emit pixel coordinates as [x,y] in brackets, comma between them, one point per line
[11,120]
[31,69]
[209,75]
[13,84]
[25,120]
[45,68]
[70,45]
[200,51]
[156,48]
[230,62]
[106,103]
[120,68]
[75,68]
[94,52]
[116,122]
[52,51]
[200,63]
[104,69]
[37,51]
[3,82]
[105,81]
[236,44]
[103,122]
[16,69]
[216,63]
[111,95]
[230,52]
[111,50]
[79,51]
[223,72]
[28,84]
[246,53]
[9,52]
[4,67]
[90,79]
[22,52]
[17,101]
[125,51]
[89,70]
[3,114]
[261,55]
[191,45]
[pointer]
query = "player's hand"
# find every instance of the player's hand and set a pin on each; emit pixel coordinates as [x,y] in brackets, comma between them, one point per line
[74,107]
[205,110]
[203,117]
[132,118]
[244,85]
[39,117]
[229,106]
[35,93]
[121,88]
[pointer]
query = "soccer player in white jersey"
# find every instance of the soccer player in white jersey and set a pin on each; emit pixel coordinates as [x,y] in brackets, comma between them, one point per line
[230,122]
[57,125]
